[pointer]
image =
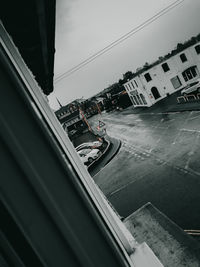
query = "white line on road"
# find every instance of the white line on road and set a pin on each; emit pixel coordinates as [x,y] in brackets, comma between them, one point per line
[190,130]
[193,118]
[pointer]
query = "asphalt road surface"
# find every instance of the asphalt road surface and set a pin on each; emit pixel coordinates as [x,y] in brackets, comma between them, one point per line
[158,163]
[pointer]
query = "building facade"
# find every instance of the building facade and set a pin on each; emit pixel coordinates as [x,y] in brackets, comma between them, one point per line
[71,119]
[165,77]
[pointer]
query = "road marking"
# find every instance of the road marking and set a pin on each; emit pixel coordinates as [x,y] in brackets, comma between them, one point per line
[190,130]
[146,173]
[193,118]
[129,183]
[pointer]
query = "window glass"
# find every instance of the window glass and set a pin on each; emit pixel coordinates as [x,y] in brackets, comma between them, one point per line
[148,77]
[133,100]
[165,67]
[133,85]
[139,100]
[194,72]
[136,100]
[126,87]
[197,48]
[143,99]
[183,57]
[190,73]
[136,83]
[176,82]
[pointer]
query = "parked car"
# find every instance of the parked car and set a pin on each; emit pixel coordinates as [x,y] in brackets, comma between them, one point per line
[95,144]
[192,87]
[88,155]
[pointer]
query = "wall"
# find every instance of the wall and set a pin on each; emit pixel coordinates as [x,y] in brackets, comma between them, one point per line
[162,80]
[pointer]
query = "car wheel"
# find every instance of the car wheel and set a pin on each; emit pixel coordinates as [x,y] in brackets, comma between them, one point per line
[90,160]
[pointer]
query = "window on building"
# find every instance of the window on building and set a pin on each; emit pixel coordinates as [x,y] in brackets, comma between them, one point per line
[136,83]
[134,92]
[139,100]
[190,73]
[136,100]
[143,99]
[155,93]
[183,57]
[133,101]
[133,85]
[197,48]
[148,77]
[165,67]
[129,87]
[176,82]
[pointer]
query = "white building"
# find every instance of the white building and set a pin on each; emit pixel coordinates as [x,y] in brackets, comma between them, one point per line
[165,78]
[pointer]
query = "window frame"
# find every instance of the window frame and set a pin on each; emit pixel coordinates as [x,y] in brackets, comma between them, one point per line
[106,218]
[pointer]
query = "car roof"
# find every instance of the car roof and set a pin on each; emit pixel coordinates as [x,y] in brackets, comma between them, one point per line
[85,150]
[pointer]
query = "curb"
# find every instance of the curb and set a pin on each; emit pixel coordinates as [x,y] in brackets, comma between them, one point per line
[97,160]
[114,154]
[92,170]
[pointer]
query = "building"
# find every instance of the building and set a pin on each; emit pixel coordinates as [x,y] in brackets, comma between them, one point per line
[71,119]
[166,76]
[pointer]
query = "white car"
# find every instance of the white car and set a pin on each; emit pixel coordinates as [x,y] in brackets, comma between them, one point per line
[192,87]
[88,155]
[95,144]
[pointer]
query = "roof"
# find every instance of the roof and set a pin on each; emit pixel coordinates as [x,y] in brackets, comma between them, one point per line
[31,24]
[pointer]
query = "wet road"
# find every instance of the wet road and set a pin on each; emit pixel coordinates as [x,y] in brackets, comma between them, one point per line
[158,163]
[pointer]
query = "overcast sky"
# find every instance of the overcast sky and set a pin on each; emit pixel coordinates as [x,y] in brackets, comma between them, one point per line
[83,27]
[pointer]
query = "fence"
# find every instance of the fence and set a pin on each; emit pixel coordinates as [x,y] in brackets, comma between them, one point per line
[188,98]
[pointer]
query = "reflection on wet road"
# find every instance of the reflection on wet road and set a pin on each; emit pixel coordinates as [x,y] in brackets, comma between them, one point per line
[158,163]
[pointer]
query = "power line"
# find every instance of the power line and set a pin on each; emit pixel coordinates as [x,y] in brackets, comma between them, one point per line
[118,41]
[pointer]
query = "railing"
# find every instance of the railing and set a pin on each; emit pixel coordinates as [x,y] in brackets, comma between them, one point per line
[188,98]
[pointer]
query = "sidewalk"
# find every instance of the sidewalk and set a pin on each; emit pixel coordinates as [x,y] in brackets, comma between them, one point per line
[166,105]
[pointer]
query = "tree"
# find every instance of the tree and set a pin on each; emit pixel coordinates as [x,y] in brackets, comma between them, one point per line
[180,46]
[121,82]
[146,66]
[127,76]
